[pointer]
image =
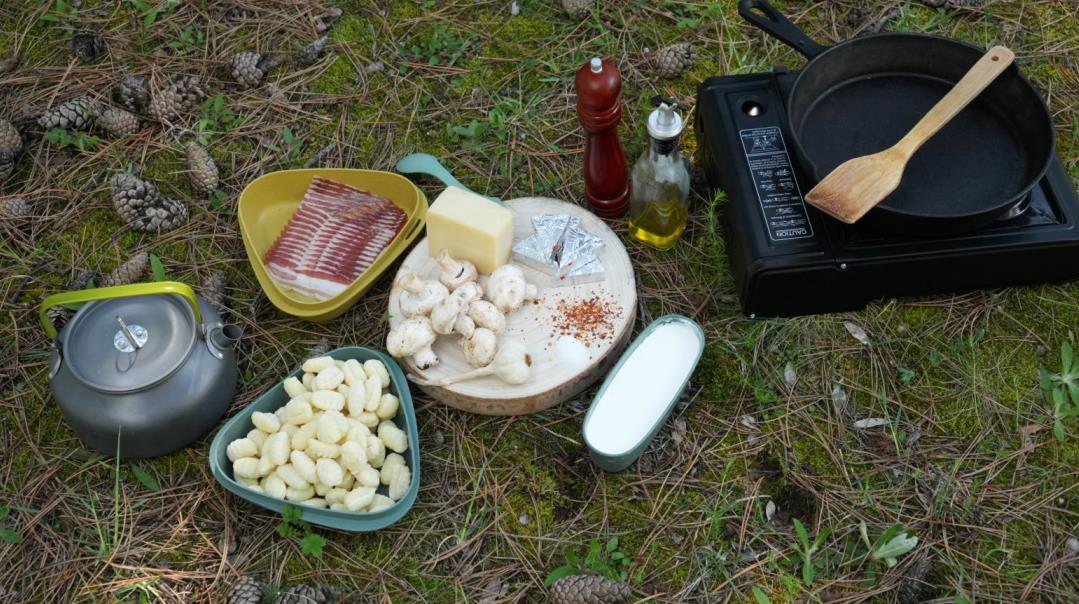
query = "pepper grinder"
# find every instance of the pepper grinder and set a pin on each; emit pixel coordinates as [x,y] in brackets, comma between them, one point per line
[606,178]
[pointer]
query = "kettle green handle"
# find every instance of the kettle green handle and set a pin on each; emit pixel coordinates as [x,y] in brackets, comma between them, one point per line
[119,291]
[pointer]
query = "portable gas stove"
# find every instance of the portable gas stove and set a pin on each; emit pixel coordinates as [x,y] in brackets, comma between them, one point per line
[789,259]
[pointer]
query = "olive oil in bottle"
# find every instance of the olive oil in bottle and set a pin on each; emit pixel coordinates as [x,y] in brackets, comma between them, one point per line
[659,198]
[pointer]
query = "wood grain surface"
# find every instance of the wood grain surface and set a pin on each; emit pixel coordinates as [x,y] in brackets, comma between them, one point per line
[556,376]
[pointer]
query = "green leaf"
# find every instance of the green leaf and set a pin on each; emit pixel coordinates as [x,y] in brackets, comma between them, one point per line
[759,596]
[49,18]
[802,534]
[286,530]
[1058,431]
[9,536]
[140,5]
[312,544]
[291,513]
[4,511]
[612,545]
[1066,356]
[821,536]
[865,534]
[145,478]
[157,268]
[558,573]
[808,573]
[895,547]
[961,599]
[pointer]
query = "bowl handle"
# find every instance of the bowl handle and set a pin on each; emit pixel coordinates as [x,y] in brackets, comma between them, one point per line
[119,291]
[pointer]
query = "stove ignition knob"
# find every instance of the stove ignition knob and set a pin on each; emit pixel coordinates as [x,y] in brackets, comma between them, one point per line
[843,266]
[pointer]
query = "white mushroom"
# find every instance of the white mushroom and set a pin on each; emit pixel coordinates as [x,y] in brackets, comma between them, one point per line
[512,365]
[480,348]
[417,297]
[464,325]
[444,314]
[468,292]
[508,290]
[413,338]
[455,273]
[487,315]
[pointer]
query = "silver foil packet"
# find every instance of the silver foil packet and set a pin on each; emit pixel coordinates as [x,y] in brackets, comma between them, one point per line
[562,249]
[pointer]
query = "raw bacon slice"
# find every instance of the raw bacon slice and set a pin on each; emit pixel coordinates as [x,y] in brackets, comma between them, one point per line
[337,233]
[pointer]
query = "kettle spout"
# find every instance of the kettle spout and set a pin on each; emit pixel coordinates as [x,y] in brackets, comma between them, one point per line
[225,337]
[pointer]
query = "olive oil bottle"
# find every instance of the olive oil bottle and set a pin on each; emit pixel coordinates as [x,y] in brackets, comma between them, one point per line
[659,197]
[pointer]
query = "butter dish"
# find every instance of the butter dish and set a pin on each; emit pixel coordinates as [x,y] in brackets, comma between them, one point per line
[641,390]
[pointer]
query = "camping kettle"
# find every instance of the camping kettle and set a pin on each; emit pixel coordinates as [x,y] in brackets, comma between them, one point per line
[141,370]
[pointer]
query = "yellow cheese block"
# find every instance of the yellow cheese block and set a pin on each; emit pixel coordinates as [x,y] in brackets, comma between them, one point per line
[470,228]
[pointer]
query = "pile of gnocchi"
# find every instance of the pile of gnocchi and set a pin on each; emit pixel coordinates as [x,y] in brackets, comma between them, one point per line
[332,445]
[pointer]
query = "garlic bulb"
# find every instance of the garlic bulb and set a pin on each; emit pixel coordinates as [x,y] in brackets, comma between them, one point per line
[512,364]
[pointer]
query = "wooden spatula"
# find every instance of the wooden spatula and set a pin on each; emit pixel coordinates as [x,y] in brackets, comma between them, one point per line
[858,184]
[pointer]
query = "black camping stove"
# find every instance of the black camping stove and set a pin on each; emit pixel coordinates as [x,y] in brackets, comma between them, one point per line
[789,259]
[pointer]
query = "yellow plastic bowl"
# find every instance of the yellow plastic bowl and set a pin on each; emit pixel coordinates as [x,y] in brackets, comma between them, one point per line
[268,202]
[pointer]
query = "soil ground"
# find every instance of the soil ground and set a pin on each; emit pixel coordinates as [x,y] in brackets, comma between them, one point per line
[964,459]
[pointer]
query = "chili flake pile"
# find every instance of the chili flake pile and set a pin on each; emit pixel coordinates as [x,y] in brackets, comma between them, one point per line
[589,320]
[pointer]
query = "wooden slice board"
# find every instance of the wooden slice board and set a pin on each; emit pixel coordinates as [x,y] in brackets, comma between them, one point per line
[562,366]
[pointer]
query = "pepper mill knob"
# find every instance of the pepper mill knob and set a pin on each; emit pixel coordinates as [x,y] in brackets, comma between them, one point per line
[599,110]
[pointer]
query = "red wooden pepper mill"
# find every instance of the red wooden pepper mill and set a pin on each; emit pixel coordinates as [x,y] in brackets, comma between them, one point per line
[606,178]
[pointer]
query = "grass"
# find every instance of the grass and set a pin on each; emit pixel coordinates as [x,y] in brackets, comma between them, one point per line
[732,499]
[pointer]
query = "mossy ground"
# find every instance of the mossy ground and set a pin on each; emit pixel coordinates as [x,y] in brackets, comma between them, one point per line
[965,459]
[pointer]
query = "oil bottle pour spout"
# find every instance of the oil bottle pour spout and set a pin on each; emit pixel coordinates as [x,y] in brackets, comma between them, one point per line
[664,123]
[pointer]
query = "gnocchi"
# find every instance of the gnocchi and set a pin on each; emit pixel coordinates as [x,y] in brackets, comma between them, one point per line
[267,422]
[332,445]
[241,447]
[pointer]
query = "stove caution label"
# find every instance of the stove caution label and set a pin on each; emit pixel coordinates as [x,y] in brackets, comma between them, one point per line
[777,190]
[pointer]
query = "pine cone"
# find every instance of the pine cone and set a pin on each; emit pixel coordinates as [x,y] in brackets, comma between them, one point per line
[80,280]
[672,60]
[60,315]
[577,7]
[326,20]
[142,207]
[213,289]
[128,272]
[304,594]
[309,55]
[117,122]
[15,207]
[245,591]
[244,67]
[88,45]
[179,97]
[76,114]
[588,589]
[10,148]
[201,169]
[133,93]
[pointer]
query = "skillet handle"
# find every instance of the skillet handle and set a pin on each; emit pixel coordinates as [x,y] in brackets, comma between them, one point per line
[766,18]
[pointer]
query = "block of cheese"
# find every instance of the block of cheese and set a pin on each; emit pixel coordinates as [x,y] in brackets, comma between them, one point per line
[471,228]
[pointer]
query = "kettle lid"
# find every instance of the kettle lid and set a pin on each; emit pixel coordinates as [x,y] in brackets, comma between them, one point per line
[128,344]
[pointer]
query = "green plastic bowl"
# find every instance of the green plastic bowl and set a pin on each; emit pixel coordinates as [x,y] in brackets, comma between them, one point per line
[240,424]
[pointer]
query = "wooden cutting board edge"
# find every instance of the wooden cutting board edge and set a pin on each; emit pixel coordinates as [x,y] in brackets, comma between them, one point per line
[501,400]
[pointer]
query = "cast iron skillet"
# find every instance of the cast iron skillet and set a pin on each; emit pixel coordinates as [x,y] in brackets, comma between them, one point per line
[862,95]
